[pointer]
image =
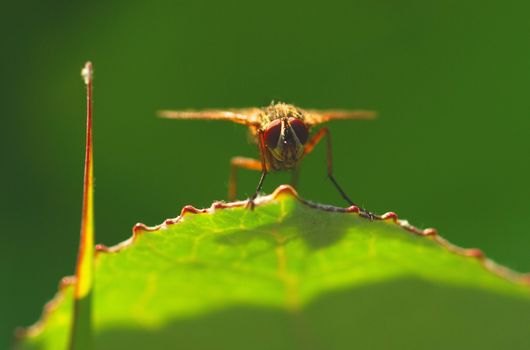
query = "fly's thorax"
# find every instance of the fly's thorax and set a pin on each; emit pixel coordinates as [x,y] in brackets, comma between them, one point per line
[280,111]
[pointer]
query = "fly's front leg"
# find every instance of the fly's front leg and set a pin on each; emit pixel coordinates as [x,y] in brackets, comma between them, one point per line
[261,146]
[251,164]
[309,147]
[258,189]
[245,163]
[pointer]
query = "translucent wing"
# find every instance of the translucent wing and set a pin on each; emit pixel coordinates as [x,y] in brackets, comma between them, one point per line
[247,116]
[317,116]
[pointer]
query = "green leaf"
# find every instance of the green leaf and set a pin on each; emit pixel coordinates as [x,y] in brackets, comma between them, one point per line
[292,274]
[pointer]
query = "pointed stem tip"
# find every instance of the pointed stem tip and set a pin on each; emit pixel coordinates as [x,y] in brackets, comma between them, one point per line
[86,73]
[81,332]
[86,252]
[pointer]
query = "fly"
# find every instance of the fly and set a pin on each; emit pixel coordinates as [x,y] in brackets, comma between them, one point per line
[282,132]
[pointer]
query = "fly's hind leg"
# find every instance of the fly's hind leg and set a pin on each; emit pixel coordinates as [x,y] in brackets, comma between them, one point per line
[309,147]
[245,163]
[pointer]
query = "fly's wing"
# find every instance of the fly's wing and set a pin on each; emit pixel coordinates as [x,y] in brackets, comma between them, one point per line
[317,116]
[247,116]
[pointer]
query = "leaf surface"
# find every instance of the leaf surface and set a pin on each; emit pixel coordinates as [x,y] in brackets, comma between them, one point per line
[292,274]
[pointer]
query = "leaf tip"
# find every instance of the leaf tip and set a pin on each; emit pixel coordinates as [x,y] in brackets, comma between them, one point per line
[285,190]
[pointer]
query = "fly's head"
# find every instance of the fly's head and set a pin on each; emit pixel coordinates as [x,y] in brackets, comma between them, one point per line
[285,140]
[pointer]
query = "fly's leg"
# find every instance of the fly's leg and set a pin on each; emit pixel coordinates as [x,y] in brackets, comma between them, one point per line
[309,147]
[263,168]
[258,189]
[245,163]
[251,164]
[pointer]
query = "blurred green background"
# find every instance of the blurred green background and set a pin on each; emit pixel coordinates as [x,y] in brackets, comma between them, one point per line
[450,150]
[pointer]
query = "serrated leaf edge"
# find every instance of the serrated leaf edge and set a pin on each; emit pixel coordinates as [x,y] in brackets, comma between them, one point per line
[283,190]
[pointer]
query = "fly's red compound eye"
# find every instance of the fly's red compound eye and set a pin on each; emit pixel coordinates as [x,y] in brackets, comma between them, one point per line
[272,134]
[300,129]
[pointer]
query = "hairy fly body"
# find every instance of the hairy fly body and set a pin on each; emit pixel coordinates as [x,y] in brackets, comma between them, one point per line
[282,132]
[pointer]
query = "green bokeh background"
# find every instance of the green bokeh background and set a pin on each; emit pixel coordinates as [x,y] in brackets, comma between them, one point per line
[450,149]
